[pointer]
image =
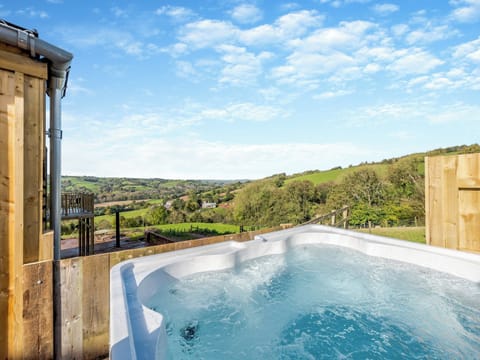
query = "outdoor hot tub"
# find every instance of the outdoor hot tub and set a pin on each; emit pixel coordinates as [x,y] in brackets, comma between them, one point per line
[306,292]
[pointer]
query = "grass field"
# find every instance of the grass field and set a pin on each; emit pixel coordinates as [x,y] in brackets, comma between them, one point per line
[125,214]
[336,175]
[185,227]
[181,231]
[415,234]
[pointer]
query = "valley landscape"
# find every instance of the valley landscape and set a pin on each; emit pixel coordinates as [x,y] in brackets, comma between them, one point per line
[385,198]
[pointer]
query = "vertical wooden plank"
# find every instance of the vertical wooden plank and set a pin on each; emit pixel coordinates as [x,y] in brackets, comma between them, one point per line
[46,246]
[428,209]
[450,202]
[7,90]
[468,171]
[15,240]
[434,203]
[33,165]
[38,310]
[469,219]
[96,305]
[468,174]
[71,283]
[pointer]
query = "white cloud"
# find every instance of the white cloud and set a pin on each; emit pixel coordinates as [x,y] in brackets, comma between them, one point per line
[210,33]
[339,3]
[346,35]
[468,51]
[31,12]
[117,12]
[185,69]
[394,113]
[385,9]
[430,34]
[246,14]
[207,33]
[241,67]
[286,27]
[335,52]
[75,88]
[177,13]
[449,81]
[332,94]
[243,112]
[160,157]
[467,10]
[416,112]
[109,38]
[402,135]
[372,68]
[414,61]
[382,54]
[289,6]
[304,69]
[399,29]
[458,112]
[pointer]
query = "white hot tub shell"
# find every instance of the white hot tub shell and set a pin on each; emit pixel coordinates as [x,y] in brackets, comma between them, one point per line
[137,332]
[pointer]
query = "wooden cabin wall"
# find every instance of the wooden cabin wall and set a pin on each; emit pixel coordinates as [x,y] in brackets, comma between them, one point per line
[452,199]
[34,135]
[22,116]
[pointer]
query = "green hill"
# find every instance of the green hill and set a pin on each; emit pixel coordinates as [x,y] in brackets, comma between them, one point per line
[335,175]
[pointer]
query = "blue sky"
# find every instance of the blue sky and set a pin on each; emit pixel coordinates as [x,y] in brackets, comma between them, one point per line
[245,89]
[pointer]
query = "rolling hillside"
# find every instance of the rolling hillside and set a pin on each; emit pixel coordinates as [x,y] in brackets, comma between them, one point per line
[381,168]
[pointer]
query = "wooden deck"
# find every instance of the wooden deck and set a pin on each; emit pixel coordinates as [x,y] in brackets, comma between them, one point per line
[81,206]
[77,205]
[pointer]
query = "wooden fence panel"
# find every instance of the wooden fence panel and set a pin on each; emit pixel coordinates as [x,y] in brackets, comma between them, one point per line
[450,202]
[433,206]
[469,220]
[96,305]
[452,195]
[71,277]
[38,310]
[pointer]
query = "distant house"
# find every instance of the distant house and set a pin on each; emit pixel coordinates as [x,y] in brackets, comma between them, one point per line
[168,204]
[209,205]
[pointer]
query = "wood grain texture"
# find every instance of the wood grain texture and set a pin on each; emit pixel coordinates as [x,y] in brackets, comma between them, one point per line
[23,64]
[469,220]
[38,310]
[452,195]
[15,216]
[449,202]
[33,165]
[71,285]
[96,305]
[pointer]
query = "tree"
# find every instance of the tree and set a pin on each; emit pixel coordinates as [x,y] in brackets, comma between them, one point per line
[157,215]
[408,185]
[300,195]
[364,192]
[364,186]
[255,204]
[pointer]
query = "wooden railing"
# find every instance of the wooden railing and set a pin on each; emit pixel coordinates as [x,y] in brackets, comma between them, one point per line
[333,218]
[77,205]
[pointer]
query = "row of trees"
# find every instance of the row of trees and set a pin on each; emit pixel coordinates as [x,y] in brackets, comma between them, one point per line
[393,199]
[397,198]
[158,214]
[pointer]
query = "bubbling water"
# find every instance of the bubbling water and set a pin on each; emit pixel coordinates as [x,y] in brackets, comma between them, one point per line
[321,302]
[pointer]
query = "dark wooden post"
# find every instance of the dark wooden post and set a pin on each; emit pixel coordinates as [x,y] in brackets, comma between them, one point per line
[117,228]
